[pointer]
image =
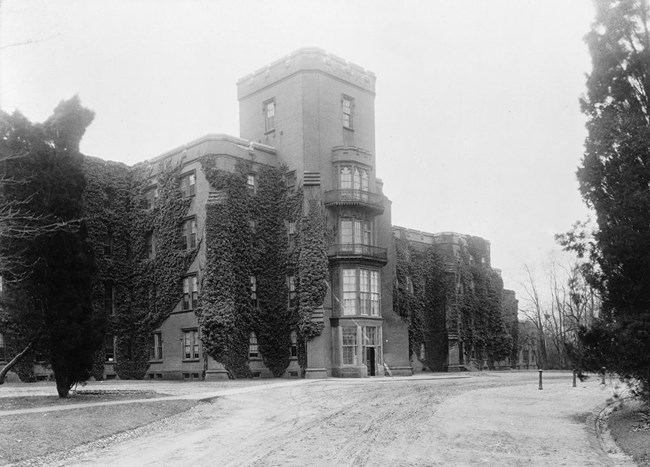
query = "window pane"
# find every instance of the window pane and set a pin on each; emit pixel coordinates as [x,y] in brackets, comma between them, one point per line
[364,291]
[346,232]
[346,178]
[375,293]
[349,291]
[349,345]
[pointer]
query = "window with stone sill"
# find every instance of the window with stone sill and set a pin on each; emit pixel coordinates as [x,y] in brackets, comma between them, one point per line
[191,344]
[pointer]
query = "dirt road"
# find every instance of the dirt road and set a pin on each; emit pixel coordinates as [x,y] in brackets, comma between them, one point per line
[486,419]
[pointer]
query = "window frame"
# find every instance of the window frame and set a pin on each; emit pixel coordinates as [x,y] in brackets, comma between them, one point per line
[157,348]
[188,188]
[269,109]
[151,197]
[351,176]
[347,112]
[354,233]
[292,293]
[253,347]
[191,336]
[189,233]
[251,187]
[360,292]
[349,347]
[190,292]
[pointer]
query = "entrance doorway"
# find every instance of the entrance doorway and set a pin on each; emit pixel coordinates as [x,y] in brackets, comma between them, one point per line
[370,360]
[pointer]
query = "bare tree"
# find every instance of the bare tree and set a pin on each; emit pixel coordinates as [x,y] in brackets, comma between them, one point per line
[559,312]
[535,312]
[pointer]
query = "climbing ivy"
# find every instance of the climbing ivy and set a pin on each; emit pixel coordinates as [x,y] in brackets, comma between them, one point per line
[146,290]
[423,305]
[247,236]
[226,313]
[450,295]
[313,269]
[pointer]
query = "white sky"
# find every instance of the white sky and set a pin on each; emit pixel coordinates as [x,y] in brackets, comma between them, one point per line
[478,124]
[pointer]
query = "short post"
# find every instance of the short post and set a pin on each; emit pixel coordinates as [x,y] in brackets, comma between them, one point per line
[603,371]
[575,373]
[540,380]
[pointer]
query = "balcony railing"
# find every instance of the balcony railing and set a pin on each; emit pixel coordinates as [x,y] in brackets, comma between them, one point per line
[350,197]
[347,251]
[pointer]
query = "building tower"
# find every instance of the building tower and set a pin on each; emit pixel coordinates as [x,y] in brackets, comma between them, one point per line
[317,111]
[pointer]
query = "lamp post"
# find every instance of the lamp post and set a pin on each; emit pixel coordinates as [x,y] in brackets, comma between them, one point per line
[540,379]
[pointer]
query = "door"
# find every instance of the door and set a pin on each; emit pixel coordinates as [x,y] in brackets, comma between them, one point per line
[370,360]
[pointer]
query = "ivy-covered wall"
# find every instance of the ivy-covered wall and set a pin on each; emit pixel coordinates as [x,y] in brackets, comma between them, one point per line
[445,293]
[261,235]
[144,288]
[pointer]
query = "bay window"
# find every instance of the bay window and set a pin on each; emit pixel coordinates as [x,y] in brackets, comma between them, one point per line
[360,292]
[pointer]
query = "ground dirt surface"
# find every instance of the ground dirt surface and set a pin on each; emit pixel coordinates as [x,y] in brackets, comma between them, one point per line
[478,419]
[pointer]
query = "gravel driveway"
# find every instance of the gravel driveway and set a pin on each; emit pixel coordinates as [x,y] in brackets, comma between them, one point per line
[480,419]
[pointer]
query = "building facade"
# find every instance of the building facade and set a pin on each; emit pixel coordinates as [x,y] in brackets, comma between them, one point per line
[204,266]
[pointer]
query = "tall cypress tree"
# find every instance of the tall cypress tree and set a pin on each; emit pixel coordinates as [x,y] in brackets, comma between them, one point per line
[615,181]
[52,267]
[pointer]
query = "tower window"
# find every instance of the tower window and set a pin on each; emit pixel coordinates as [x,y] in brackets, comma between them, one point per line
[347,104]
[269,115]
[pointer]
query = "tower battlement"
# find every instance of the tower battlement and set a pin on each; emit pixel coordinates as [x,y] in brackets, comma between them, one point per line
[306,59]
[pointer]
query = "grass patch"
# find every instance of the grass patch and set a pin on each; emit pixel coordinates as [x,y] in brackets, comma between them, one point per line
[629,426]
[39,434]
[79,397]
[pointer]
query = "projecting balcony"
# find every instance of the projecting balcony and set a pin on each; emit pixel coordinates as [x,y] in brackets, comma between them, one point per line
[361,253]
[350,197]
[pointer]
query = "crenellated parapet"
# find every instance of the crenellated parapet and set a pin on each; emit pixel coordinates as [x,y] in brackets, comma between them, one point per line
[306,59]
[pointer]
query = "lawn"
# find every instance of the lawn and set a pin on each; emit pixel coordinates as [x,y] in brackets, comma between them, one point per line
[629,426]
[39,434]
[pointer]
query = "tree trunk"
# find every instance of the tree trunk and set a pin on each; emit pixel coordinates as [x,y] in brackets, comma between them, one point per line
[63,389]
[17,358]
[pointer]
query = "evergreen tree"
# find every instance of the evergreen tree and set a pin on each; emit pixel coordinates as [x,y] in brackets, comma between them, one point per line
[615,181]
[52,267]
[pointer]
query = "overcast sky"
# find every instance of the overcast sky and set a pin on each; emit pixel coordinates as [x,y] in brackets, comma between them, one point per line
[478,126]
